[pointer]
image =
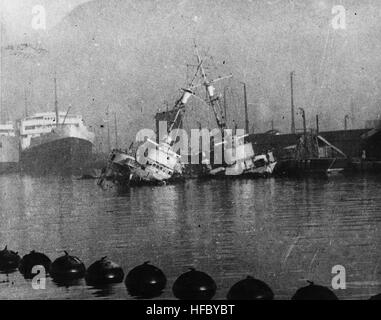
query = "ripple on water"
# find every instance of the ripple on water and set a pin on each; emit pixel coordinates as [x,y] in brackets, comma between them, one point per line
[280,231]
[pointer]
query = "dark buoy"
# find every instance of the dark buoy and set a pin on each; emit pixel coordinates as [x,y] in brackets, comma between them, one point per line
[250,289]
[9,260]
[33,259]
[194,285]
[376,297]
[145,281]
[67,268]
[314,292]
[104,271]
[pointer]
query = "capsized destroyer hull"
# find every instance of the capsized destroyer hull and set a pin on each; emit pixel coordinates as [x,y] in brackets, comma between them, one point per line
[245,163]
[124,170]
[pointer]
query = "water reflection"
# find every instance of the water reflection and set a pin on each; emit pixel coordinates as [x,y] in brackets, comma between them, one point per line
[281,231]
[66,283]
[102,291]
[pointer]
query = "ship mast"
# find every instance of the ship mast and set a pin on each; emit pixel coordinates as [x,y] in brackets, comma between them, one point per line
[25,103]
[245,102]
[213,100]
[180,105]
[55,100]
[225,103]
[116,130]
[108,129]
[292,103]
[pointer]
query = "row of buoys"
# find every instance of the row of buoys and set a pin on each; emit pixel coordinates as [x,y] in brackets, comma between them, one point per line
[9,260]
[33,259]
[194,285]
[376,297]
[147,281]
[250,289]
[103,272]
[314,292]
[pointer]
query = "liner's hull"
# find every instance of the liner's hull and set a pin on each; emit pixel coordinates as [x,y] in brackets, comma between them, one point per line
[9,154]
[8,167]
[67,155]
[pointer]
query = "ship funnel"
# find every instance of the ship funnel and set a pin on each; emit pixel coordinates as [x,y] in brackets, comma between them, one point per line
[211,90]
[187,94]
[167,139]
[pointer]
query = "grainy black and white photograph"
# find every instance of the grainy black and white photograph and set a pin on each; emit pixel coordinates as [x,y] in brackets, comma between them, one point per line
[190,150]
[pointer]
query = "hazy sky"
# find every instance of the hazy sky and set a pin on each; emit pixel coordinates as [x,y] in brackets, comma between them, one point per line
[17,14]
[131,55]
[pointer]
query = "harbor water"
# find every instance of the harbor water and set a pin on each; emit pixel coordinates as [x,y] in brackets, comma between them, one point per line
[282,231]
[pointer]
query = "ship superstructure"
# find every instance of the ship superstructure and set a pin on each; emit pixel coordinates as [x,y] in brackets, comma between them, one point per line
[42,127]
[161,163]
[238,156]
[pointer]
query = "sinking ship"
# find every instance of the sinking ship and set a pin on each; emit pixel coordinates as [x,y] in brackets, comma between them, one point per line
[242,161]
[162,164]
[239,158]
[158,165]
